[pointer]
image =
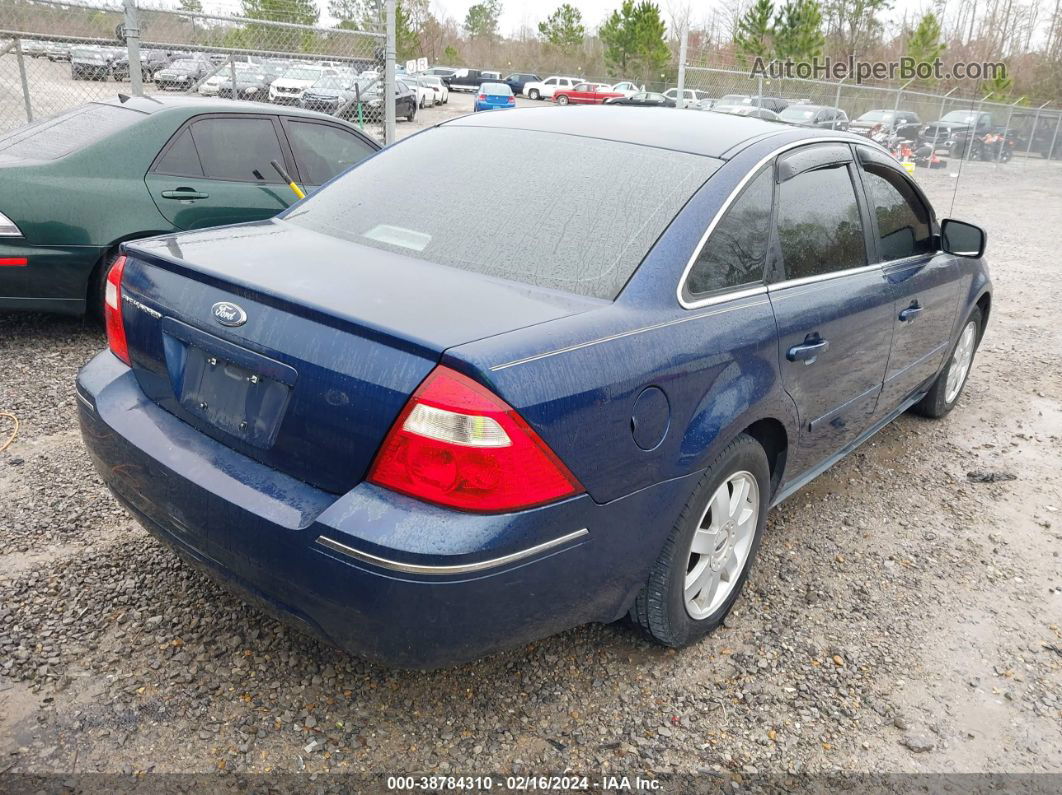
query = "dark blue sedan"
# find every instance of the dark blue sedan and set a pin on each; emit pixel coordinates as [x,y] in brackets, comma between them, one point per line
[494,96]
[425,446]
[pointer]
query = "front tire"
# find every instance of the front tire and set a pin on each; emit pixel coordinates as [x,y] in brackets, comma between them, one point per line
[562,99]
[706,558]
[533,94]
[945,392]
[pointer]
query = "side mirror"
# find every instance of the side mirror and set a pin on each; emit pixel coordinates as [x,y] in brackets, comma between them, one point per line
[962,239]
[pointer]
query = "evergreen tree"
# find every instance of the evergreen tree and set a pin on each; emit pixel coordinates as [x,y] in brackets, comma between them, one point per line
[564,28]
[634,39]
[481,21]
[754,29]
[798,31]
[924,44]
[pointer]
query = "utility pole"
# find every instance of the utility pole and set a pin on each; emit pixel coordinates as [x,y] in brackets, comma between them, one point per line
[684,36]
[132,45]
[389,74]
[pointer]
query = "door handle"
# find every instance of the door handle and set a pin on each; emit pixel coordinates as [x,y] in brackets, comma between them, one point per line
[809,351]
[184,193]
[911,312]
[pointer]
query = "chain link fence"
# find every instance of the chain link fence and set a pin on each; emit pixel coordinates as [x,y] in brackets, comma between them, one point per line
[55,56]
[1036,131]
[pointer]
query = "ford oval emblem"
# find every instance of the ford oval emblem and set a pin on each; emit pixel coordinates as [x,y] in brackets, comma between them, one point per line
[228,314]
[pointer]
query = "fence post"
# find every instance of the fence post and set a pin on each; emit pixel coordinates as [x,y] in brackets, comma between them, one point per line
[1006,129]
[1054,138]
[936,129]
[683,43]
[25,81]
[389,74]
[132,44]
[899,93]
[837,102]
[1032,133]
[759,91]
[232,76]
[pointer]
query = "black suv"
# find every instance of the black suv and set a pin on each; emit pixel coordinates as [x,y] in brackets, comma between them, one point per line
[903,123]
[956,130]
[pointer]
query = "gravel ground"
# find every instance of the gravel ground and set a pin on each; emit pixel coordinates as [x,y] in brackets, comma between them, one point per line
[900,617]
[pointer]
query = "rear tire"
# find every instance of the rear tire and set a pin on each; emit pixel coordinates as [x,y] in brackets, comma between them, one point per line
[948,387]
[707,557]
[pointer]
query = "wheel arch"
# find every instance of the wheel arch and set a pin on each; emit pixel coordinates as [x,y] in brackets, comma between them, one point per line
[108,251]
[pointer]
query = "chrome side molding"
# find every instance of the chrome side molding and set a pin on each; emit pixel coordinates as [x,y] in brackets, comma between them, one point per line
[463,568]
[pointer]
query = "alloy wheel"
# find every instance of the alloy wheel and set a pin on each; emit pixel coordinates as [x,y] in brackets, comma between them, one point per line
[721,544]
[961,360]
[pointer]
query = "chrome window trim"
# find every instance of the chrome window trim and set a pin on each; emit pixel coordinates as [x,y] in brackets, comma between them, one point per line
[825,277]
[740,291]
[465,568]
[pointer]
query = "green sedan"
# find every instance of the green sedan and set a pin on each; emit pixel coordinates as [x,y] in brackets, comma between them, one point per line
[78,185]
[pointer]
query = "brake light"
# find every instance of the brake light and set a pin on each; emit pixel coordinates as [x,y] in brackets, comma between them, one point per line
[458,444]
[511,100]
[112,311]
[482,97]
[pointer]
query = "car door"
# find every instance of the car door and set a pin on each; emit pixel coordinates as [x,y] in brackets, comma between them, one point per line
[216,170]
[323,150]
[832,305]
[924,280]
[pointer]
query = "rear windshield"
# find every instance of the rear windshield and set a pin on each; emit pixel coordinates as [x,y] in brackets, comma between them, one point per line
[496,89]
[416,198]
[59,136]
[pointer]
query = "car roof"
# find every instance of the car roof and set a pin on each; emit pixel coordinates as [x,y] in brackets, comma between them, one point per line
[707,133]
[154,104]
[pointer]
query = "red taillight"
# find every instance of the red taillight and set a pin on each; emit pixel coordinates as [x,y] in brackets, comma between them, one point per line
[482,97]
[511,100]
[112,311]
[15,262]
[458,444]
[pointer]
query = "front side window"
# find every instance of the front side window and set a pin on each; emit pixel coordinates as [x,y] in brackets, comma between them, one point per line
[237,149]
[903,220]
[734,253]
[819,228]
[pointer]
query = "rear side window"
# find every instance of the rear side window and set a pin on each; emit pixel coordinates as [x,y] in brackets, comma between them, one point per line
[735,252]
[237,149]
[322,151]
[587,239]
[57,137]
[903,221]
[819,227]
[181,159]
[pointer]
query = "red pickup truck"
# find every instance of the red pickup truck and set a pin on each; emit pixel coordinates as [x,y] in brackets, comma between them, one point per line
[586,94]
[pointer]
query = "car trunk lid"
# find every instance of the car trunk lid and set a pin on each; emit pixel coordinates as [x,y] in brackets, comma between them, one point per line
[299,349]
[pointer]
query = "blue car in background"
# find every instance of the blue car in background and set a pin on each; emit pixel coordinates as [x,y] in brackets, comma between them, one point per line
[494,96]
[425,447]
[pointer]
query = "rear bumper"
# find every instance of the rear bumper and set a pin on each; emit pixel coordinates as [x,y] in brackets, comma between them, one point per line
[376,573]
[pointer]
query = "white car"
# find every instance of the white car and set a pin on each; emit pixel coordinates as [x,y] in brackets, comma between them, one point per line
[290,86]
[211,86]
[627,88]
[422,88]
[435,82]
[545,89]
[689,97]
